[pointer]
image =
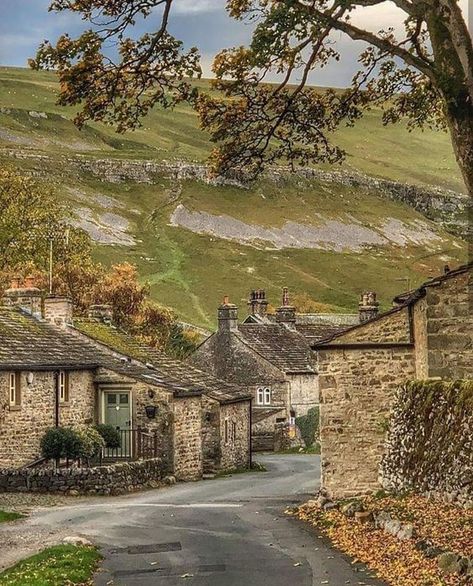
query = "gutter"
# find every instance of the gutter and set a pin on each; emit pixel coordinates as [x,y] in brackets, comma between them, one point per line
[364,346]
[56,398]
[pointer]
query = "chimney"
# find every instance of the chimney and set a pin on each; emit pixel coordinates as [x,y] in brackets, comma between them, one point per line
[25,296]
[257,303]
[286,314]
[368,307]
[58,311]
[101,312]
[227,317]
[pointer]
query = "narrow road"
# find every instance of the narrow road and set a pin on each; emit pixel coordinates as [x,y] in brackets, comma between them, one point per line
[225,532]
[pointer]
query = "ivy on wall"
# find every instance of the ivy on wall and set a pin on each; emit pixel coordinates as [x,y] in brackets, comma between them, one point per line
[309,426]
[430,441]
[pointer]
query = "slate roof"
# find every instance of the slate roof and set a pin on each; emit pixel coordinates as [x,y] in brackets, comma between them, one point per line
[316,332]
[28,343]
[287,349]
[172,370]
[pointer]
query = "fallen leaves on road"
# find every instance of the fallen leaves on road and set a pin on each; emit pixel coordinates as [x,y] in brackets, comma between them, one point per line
[398,562]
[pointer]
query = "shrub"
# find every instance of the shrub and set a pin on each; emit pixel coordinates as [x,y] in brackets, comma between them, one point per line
[110,435]
[61,442]
[309,426]
[92,442]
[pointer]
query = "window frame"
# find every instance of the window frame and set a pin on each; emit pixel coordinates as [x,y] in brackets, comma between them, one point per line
[63,386]
[267,396]
[14,389]
[260,396]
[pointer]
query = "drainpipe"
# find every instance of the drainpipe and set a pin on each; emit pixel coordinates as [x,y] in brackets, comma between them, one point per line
[56,398]
[251,432]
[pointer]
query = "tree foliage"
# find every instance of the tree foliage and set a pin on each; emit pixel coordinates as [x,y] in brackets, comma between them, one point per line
[423,72]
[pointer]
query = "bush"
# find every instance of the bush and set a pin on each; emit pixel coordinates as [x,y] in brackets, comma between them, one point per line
[110,435]
[61,442]
[92,442]
[309,426]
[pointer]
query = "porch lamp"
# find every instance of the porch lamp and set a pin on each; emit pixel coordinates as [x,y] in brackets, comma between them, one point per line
[150,411]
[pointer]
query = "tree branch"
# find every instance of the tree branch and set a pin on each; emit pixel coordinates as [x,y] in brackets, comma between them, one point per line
[358,34]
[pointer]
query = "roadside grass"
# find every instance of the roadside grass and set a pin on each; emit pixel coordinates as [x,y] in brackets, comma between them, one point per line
[6,516]
[55,566]
[314,449]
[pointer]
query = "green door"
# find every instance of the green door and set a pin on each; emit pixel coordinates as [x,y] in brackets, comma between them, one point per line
[118,414]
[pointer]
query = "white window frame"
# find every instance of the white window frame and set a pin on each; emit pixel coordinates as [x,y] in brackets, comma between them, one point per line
[267,396]
[260,396]
[12,389]
[63,391]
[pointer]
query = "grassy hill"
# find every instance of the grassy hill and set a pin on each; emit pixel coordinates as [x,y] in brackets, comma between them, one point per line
[195,242]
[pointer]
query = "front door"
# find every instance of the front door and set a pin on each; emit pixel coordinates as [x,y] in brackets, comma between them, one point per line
[117,412]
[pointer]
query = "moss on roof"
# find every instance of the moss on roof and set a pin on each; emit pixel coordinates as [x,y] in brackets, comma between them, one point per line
[114,338]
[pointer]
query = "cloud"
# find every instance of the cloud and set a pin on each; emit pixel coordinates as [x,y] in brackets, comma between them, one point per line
[196,6]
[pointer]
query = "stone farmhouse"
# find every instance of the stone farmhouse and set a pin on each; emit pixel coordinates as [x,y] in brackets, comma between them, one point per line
[270,355]
[56,371]
[428,334]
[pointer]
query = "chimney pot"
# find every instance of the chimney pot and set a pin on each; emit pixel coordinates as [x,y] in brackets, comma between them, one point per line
[29,282]
[257,302]
[101,312]
[368,307]
[15,283]
[58,311]
[227,316]
[286,314]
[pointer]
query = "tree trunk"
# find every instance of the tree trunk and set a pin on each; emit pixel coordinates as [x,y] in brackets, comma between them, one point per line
[460,123]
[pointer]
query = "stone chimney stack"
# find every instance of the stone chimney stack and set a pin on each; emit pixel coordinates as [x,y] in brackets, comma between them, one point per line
[24,295]
[227,317]
[286,314]
[257,303]
[58,311]
[101,312]
[368,307]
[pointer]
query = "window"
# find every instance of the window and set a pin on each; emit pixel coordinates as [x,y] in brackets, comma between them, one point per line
[267,396]
[15,389]
[63,386]
[226,431]
[260,397]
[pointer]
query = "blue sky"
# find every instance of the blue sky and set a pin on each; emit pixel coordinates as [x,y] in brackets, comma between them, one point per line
[203,23]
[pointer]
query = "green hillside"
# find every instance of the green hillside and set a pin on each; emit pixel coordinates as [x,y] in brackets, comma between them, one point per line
[195,242]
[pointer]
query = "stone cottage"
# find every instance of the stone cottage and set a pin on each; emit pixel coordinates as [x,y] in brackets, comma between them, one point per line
[55,373]
[271,356]
[428,334]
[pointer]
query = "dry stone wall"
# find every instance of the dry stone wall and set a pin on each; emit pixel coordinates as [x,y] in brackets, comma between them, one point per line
[430,443]
[100,480]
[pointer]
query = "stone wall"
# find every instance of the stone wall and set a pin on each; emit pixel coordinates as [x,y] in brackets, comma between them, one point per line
[21,427]
[448,308]
[236,450]
[304,392]
[188,457]
[357,388]
[393,328]
[101,480]
[430,442]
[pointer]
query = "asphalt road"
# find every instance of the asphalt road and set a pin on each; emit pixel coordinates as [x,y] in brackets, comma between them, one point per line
[225,532]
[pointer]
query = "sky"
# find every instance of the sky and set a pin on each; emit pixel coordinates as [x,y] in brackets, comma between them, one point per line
[202,23]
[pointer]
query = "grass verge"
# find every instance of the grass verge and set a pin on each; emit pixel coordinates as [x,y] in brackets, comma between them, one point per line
[6,516]
[55,566]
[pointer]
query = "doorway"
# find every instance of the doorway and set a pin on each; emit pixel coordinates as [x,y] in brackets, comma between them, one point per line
[117,413]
